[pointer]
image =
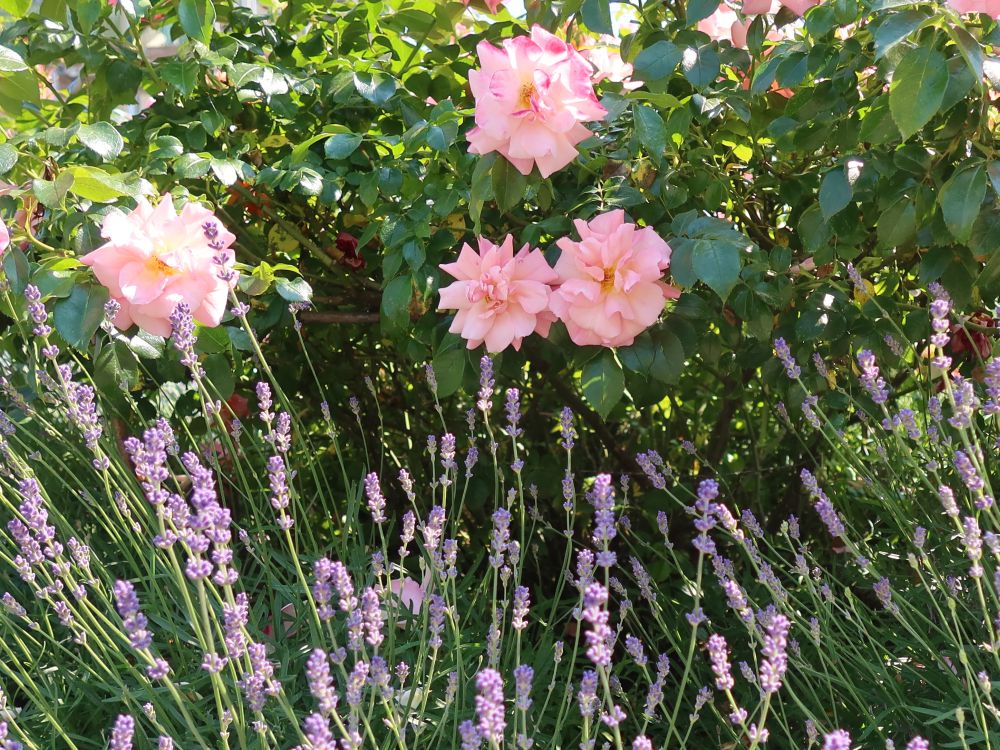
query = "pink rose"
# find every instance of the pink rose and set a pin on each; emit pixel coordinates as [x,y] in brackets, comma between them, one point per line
[608,64]
[531,98]
[4,237]
[155,258]
[988,7]
[493,5]
[500,297]
[610,288]
[759,7]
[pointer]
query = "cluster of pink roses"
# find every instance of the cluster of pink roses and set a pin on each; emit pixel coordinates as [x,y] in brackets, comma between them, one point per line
[156,258]
[725,23]
[532,98]
[606,287]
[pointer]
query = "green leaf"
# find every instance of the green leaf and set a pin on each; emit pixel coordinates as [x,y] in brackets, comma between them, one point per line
[102,139]
[895,28]
[603,383]
[116,368]
[293,290]
[482,187]
[961,198]
[449,368]
[701,65]
[650,130]
[597,16]
[374,87]
[699,9]
[898,223]
[659,356]
[78,317]
[396,303]
[51,194]
[10,61]
[918,87]
[508,184]
[341,145]
[8,158]
[656,61]
[16,8]
[835,193]
[87,13]
[183,76]
[147,346]
[717,263]
[95,184]
[197,17]
[16,269]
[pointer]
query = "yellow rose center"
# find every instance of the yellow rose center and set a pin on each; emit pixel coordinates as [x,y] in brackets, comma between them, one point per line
[608,283]
[156,265]
[524,96]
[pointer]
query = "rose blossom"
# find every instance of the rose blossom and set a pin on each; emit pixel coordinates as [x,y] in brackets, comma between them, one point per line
[500,297]
[531,98]
[610,289]
[608,63]
[988,7]
[4,237]
[155,258]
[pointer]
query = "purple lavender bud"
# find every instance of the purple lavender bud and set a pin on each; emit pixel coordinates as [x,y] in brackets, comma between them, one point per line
[523,676]
[235,618]
[158,670]
[587,695]
[599,637]
[870,379]
[642,742]
[36,311]
[824,506]
[316,729]
[486,384]
[122,733]
[376,501]
[182,333]
[165,743]
[566,429]
[371,614]
[718,653]
[521,603]
[918,743]
[775,662]
[469,734]
[127,604]
[512,406]
[973,542]
[321,682]
[436,615]
[448,452]
[855,277]
[837,740]
[784,354]
[967,471]
[489,702]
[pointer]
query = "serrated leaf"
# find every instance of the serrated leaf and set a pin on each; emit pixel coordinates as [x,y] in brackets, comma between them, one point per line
[895,28]
[219,373]
[701,65]
[897,224]
[102,139]
[396,303]
[917,90]
[10,61]
[293,290]
[197,17]
[97,185]
[650,130]
[508,184]
[147,346]
[835,192]
[699,9]
[597,16]
[449,368]
[8,158]
[603,383]
[341,145]
[961,199]
[656,61]
[116,368]
[78,317]
[717,263]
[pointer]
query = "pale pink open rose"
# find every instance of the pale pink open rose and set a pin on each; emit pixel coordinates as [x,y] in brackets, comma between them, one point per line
[611,288]
[155,258]
[500,297]
[799,7]
[989,7]
[532,97]
[725,25]
[608,64]
[4,237]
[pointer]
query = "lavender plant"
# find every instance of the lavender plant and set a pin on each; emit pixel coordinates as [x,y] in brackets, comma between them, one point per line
[179,579]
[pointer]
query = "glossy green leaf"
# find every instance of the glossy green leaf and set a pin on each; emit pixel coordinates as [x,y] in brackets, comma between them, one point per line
[597,16]
[961,199]
[918,86]
[508,184]
[717,263]
[834,193]
[197,17]
[656,61]
[650,130]
[78,317]
[102,139]
[603,383]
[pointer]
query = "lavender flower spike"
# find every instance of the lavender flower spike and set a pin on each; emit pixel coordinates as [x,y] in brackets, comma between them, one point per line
[837,740]
[121,734]
[772,669]
[490,706]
